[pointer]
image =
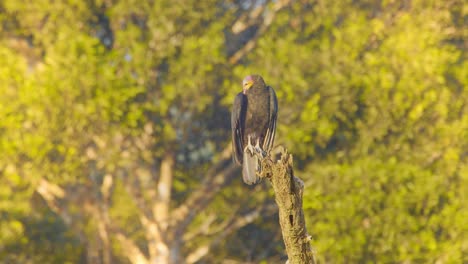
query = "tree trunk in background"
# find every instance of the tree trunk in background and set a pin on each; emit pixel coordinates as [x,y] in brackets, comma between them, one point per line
[160,251]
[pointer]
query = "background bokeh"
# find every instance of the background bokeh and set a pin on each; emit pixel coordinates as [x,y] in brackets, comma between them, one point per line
[115,129]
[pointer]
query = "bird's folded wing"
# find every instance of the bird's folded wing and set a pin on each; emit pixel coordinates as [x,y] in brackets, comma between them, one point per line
[273,115]
[237,126]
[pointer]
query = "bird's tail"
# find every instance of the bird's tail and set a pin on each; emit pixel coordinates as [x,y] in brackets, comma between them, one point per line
[249,168]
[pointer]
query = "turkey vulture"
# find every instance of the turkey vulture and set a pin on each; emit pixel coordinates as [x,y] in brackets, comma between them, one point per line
[253,124]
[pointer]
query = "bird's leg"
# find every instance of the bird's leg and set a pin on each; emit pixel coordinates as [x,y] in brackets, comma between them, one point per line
[260,155]
[259,149]
[249,146]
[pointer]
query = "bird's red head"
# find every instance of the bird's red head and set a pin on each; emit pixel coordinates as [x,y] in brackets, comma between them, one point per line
[247,83]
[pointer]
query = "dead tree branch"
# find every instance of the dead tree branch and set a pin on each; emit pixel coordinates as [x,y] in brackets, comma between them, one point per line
[288,196]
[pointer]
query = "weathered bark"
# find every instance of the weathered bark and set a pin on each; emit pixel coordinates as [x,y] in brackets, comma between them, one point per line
[288,196]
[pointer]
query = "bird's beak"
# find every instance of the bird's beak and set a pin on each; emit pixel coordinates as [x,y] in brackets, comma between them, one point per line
[247,85]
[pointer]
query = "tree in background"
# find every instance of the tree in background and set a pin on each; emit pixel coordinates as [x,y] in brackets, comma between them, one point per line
[114,126]
[376,95]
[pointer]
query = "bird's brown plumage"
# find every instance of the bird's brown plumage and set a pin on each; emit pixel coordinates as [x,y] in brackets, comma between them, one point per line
[254,115]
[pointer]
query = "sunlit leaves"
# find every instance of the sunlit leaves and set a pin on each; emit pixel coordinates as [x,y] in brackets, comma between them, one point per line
[388,206]
[372,99]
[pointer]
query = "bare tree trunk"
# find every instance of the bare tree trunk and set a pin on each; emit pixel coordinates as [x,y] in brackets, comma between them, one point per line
[288,195]
[161,250]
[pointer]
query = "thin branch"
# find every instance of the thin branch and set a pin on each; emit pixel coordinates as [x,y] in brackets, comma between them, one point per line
[247,19]
[57,199]
[204,228]
[153,231]
[197,254]
[251,43]
[203,198]
[229,226]
[216,178]
[52,194]
[131,251]
[137,197]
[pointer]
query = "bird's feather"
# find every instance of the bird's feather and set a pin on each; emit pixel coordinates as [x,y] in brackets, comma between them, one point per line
[273,115]
[249,168]
[237,126]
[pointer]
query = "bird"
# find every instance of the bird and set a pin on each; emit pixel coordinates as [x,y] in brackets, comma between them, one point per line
[253,124]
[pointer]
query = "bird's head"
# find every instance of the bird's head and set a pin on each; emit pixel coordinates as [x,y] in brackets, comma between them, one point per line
[252,81]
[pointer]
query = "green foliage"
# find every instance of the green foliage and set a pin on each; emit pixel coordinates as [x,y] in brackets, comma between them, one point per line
[386,211]
[43,239]
[372,99]
[375,102]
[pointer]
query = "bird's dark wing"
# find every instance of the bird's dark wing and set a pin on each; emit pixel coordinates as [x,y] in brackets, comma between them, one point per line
[237,126]
[273,114]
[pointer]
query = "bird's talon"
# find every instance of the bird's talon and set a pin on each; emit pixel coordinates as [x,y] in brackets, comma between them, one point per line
[259,167]
[259,150]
